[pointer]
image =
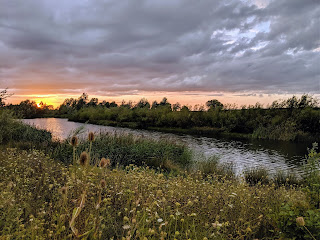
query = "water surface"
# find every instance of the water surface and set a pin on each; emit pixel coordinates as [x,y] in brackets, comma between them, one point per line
[273,155]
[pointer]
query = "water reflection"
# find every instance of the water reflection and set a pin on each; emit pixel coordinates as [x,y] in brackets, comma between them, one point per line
[243,154]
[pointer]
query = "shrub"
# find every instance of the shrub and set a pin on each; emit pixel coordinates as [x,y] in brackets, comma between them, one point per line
[286,179]
[254,176]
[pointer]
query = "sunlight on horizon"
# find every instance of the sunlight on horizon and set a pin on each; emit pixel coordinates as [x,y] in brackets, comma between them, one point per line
[189,98]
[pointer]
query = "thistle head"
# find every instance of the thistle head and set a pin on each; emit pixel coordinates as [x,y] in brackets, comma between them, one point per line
[103,183]
[300,221]
[104,163]
[74,141]
[91,136]
[64,190]
[84,159]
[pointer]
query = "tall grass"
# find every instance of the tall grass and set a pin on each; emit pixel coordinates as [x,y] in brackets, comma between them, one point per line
[42,199]
[12,131]
[125,149]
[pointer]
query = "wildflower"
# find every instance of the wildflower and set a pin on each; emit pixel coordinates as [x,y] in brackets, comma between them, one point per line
[177,233]
[104,163]
[216,224]
[84,159]
[126,227]
[160,220]
[103,183]
[126,219]
[178,204]
[300,221]
[74,141]
[91,136]
[63,190]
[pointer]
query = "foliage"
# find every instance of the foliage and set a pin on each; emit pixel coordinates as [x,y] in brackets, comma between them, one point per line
[13,131]
[127,149]
[286,179]
[44,199]
[253,176]
[212,166]
[4,95]
[312,175]
[291,120]
[294,119]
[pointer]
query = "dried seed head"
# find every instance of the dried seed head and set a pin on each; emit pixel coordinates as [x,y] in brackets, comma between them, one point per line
[74,141]
[300,221]
[63,190]
[84,159]
[104,163]
[91,136]
[103,183]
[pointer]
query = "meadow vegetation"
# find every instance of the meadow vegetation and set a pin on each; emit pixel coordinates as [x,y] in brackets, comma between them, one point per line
[41,199]
[123,148]
[124,187]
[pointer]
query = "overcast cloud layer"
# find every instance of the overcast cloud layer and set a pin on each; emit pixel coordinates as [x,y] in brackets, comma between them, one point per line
[160,45]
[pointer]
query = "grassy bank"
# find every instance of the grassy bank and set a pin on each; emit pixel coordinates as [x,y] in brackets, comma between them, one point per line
[196,131]
[273,124]
[41,198]
[123,149]
[147,190]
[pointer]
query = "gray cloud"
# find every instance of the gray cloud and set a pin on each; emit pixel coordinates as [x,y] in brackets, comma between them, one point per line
[130,46]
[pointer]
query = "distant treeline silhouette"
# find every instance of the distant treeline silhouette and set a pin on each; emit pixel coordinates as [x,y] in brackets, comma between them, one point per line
[293,119]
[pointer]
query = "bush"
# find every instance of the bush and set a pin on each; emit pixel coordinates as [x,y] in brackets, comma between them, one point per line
[254,176]
[286,179]
[12,131]
[212,167]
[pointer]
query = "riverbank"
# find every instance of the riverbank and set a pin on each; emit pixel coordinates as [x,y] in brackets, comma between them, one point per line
[296,125]
[195,131]
[294,119]
[55,190]
[41,197]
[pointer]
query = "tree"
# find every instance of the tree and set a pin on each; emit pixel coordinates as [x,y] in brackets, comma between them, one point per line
[155,104]
[143,103]
[93,102]
[4,95]
[214,104]
[176,106]
[82,101]
[125,104]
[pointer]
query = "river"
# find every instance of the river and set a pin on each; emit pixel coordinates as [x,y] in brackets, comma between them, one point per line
[273,155]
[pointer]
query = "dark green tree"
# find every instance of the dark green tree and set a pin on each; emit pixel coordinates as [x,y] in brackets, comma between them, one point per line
[213,104]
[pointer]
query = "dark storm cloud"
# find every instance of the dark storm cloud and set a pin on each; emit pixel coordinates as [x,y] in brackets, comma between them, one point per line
[127,46]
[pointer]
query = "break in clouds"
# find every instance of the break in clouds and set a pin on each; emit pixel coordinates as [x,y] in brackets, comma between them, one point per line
[124,46]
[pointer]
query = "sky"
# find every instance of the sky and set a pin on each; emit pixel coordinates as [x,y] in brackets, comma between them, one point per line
[237,51]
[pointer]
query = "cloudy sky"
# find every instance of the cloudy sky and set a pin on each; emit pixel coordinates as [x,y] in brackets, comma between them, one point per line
[239,51]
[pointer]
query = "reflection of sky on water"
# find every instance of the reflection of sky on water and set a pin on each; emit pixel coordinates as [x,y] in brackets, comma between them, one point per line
[243,154]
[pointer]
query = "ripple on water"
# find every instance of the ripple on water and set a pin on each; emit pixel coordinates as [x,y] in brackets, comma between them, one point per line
[242,154]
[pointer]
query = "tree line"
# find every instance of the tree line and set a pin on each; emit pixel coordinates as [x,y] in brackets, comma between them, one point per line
[291,119]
